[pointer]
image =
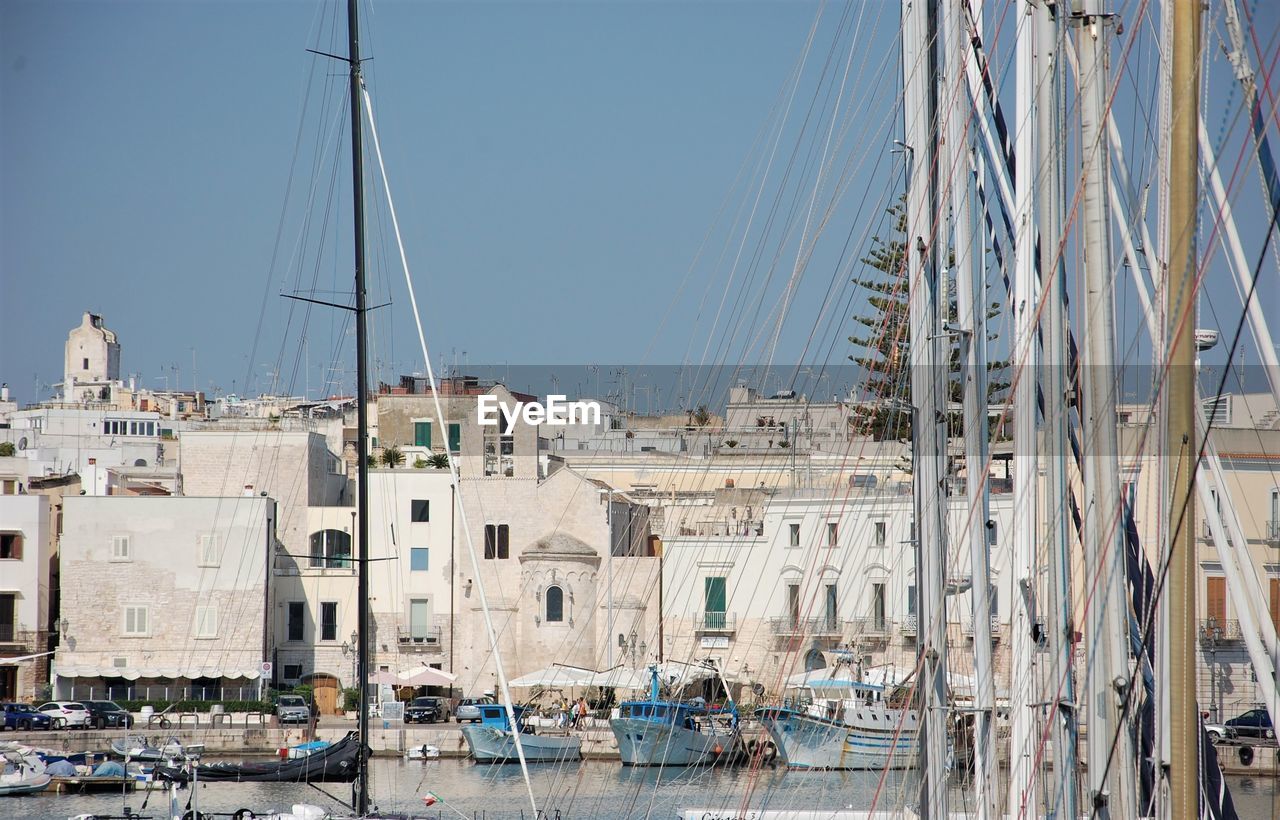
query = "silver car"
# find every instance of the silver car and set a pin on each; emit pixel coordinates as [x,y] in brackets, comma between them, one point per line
[292,709]
[469,709]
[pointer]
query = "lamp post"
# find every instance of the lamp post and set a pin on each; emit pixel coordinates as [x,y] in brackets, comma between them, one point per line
[1214,633]
[608,563]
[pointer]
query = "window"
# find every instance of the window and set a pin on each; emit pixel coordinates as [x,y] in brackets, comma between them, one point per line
[210,554]
[136,621]
[292,671]
[831,533]
[419,618]
[795,535]
[1275,603]
[497,541]
[120,548]
[330,548]
[793,603]
[555,605]
[8,616]
[880,534]
[11,545]
[84,364]
[422,434]
[297,619]
[206,622]
[328,620]
[419,559]
[455,438]
[911,599]
[878,616]
[991,532]
[420,510]
[714,595]
[1216,599]
[833,615]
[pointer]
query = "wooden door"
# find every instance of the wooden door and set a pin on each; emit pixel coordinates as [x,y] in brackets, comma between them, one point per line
[1216,600]
[1275,603]
[326,694]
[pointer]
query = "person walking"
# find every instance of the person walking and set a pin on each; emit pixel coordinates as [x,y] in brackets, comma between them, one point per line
[580,714]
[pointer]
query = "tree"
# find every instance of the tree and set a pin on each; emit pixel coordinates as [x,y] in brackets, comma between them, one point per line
[420,463]
[439,461]
[701,417]
[7,448]
[392,456]
[886,340]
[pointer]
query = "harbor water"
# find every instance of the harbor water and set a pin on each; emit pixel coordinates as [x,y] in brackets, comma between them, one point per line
[579,790]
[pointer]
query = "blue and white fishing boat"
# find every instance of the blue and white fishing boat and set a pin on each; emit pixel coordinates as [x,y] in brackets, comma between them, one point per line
[658,732]
[834,720]
[492,741]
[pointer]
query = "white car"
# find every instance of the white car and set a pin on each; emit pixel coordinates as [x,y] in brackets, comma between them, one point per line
[68,711]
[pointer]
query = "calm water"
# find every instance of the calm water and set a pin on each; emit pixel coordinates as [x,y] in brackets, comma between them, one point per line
[588,790]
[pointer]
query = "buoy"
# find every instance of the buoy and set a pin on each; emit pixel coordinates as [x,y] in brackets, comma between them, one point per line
[1246,755]
[718,749]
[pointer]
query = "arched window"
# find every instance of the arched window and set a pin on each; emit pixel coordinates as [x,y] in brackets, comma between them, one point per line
[330,548]
[555,605]
[814,660]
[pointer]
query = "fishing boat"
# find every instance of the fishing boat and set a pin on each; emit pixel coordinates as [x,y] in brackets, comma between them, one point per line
[838,722]
[658,732]
[136,747]
[493,741]
[336,763]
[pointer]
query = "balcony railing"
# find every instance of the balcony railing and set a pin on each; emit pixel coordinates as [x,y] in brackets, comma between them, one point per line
[910,625]
[806,626]
[870,625]
[1214,629]
[716,622]
[427,638]
[1273,531]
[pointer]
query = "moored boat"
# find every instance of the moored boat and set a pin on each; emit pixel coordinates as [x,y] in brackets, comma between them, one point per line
[492,741]
[658,732]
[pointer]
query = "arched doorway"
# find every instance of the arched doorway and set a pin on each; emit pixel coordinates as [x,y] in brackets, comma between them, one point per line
[813,660]
[325,689]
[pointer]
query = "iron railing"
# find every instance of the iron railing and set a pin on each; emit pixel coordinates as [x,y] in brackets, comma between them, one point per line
[1215,629]
[425,637]
[717,622]
[157,692]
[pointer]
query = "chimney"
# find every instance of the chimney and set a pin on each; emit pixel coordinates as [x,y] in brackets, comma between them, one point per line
[4,391]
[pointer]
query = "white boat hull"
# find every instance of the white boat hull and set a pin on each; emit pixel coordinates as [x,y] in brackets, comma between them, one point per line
[492,745]
[810,742]
[650,743]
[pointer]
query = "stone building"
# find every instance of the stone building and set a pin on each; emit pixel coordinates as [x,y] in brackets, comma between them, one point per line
[91,362]
[26,553]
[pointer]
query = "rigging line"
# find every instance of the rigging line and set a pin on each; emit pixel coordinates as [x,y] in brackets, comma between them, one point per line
[453,467]
[1200,450]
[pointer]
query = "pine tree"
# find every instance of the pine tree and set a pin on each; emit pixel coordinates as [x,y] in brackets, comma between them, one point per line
[887,340]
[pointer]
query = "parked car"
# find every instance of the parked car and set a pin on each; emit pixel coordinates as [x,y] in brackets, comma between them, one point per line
[21,717]
[107,714]
[425,710]
[1253,723]
[293,709]
[69,712]
[469,709]
[1219,732]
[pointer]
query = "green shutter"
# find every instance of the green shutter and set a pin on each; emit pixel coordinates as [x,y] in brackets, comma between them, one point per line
[715,594]
[455,438]
[422,434]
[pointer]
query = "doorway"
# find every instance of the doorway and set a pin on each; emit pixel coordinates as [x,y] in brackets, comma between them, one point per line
[325,690]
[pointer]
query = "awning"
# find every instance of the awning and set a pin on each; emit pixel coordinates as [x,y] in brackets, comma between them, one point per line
[557,675]
[384,678]
[426,676]
[619,678]
[134,672]
[22,659]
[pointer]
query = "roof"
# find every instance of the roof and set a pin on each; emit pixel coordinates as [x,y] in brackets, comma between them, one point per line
[559,543]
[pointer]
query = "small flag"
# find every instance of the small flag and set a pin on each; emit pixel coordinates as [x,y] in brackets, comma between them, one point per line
[430,798]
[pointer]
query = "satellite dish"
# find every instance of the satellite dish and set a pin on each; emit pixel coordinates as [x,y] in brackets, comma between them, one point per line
[22,443]
[757,689]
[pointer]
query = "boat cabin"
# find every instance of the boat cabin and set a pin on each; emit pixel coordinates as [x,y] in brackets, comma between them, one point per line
[494,716]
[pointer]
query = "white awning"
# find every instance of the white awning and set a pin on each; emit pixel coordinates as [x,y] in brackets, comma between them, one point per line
[22,659]
[134,673]
[559,675]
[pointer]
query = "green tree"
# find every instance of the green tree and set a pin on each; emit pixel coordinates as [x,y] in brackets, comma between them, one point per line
[7,448]
[439,461]
[885,339]
[392,456]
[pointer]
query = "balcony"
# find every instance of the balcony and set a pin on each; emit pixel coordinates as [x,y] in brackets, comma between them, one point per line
[871,626]
[806,626]
[966,627]
[1273,532]
[719,623]
[910,625]
[422,639]
[1207,532]
[1219,630]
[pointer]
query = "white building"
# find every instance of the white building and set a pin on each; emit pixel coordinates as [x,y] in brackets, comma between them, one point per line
[165,597]
[91,362]
[25,552]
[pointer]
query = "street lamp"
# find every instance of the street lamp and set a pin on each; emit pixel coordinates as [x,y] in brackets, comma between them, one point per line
[1214,634]
[608,562]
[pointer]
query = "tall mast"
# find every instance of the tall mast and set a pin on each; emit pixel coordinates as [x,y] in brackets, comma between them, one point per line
[1063,798]
[971,317]
[1026,355]
[928,389]
[1181,441]
[360,788]
[1107,674]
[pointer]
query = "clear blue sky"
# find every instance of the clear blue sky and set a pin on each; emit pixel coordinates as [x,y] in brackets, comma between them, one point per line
[556,167]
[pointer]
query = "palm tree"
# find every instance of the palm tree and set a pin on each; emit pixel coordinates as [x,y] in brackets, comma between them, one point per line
[392,456]
[440,461]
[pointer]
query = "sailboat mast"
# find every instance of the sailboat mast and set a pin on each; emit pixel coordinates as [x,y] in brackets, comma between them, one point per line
[928,388]
[1180,410]
[360,787]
